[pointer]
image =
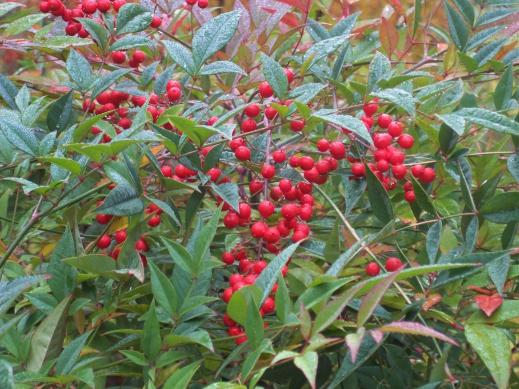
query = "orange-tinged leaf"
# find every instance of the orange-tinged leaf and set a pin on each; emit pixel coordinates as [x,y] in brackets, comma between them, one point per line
[488,304]
[388,36]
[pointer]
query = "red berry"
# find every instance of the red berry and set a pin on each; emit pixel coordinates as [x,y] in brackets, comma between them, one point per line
[166,171]
[323,145]
[259,266]
[139,56]
[245,210]
[382,140]
[417,171]
[428,175]
[409,196]
[285,185]
[382,165]
[289,211]
[228,258]
[255,186]
[265,90]
[323,166]
[370,108]
[405,141]
[235,143]
[248,125]
[306,162]
[258,229]
[290,74]
[395,129]
[266,208]
[174,93]
[117,4]
[294,161]
[337,150]
[103,5]
[252,110]
[156,21]
[89,6]
[270,113]
[104,241]
[102,218]
[399,171]
[154,221]
[384,120]
[214,173]
[272,235]
[393,263]
[72,28]
[226,296]
[242,153]
[372,269]
[297,125]
[269,305]
[358,169]
[44,7]
[203,3]
[396,157]
[408,186]
[311,175]
[120,236]
[228,321]
[231,220]
[279,156]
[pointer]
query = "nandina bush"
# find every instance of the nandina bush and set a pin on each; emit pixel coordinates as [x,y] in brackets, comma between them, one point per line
[276,194]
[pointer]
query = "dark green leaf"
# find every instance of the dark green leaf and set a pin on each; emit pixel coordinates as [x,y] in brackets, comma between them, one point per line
[79,70]
[98,32]
[378,198]
[432,242]
[130,42]
[502,209]
[132,18]
[123,200]
[181,56]
[275,76]
[467,10]
[60,113]
[345,121]
[457,27]
[68,358]
[103,83]
[400,98]
[151,341]
[163,289]
[513,166]
[504,89]
[8,91]
[220,67]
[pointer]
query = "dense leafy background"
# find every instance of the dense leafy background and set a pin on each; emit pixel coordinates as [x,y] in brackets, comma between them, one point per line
[71,316]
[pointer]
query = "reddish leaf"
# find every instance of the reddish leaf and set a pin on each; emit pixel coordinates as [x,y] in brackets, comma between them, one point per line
[412,328]
[488,304]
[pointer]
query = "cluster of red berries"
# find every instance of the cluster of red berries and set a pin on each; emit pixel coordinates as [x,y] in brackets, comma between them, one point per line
[392,264]
[86,9]
[200,3]
[247,272]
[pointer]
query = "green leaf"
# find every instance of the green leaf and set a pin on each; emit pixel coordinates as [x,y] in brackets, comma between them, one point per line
[23,24]
[457,27]
[202,241]
[130,42]
[197,133]
[103,83]
[432,240]
[8,91]
[372,299]
[181,56]
[275,76]
[493,347]
[10,290]
[513,166]
[228,191]
[213,36]
[7,7]
[502,209]
[60,113]
[250,362]
[132,18]
[504,89]
[412,328]
[489,119]
[180,378]
[345,121]
[123,200]
[19,136]
[400,98]
[47,340]
[283,302]
[69,164]
[254,323]
[422,198]
[237,306]
[454,123]
[498,271]
[98,32]
[379,69]
[307,363]
[488,52]
[306,92]
[467,10]
[220,67]
[135,357]
[482,36]
[92,263]
[378,198]
[68,358]
[163,290]
[79,70]
[6,373]
[151,341]
[270,274]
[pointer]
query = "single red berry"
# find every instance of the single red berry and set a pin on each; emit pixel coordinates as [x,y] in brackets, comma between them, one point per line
[270,113]
[203,3]
[399,171]
[370,108]
[228,321]
[265,90]
[256,186]
[174,93]
[268,171]
[311,175]
[405,141]
[154,221]
[272,235]
[44,7]
[290,74]
[245,210]
[306,162]
[103,218]
[104,5]
[167,171]
[285,185]
[382,165]
[337,150]
[372,269]
[384,120]
[279,156]
[323,166]
[409,196]
[104,241]
[235,143]
[252,110]
[393,263]
[72,28]
[156,21]
[417,171]
[382,140]
[259,266]
[139,56]
[269,305]
[323,145]
[258,229]
[294,161]
[231,220]
[358,169]
[120,236]
[297,125]
[214,173]
[428,175]
[89,6]
[228,258]
[289,211]
[227,294]
[266,208]
[248,125]
[117,4]
[408,186]
[395,129]
[242,153]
